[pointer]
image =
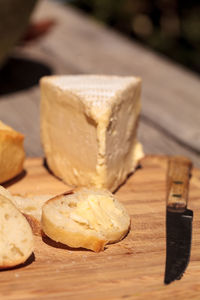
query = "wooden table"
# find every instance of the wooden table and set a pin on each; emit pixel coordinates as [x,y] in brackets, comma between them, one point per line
[170,124]
[170,121]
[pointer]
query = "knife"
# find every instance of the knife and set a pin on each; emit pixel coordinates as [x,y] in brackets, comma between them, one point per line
[178,218]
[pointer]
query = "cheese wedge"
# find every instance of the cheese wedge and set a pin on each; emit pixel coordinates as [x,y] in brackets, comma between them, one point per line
[88,128]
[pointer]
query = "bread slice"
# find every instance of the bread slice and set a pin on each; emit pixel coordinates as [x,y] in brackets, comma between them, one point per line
[4,192]
[87,218]
[30,206]
[16,238]
[12,153]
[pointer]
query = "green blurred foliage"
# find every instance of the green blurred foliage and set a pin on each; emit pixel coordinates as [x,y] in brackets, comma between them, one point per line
[171,27]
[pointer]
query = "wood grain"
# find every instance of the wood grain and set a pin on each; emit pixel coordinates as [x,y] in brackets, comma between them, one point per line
[130,269]
[170,122]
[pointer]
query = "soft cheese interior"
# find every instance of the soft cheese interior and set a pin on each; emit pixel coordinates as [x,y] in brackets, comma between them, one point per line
[89,126]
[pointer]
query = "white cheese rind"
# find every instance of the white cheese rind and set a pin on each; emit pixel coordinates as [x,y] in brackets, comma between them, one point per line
[88,128]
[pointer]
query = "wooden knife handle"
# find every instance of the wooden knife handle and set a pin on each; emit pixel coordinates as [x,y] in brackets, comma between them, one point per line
[178,176]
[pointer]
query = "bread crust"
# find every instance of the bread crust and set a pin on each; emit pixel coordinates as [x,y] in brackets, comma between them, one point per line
[12,153]
[35,224]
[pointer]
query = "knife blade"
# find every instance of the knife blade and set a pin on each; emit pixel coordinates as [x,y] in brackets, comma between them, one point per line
[178,218]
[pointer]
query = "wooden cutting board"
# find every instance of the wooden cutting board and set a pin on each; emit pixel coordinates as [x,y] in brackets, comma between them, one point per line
[130,269]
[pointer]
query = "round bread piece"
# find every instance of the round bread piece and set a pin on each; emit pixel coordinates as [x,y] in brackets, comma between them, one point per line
[12,153]
[4,192]
[30,206]
[16,238]
[87,218]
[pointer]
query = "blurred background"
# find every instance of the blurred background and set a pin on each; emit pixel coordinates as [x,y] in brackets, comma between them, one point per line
[44,37]
[171,27]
